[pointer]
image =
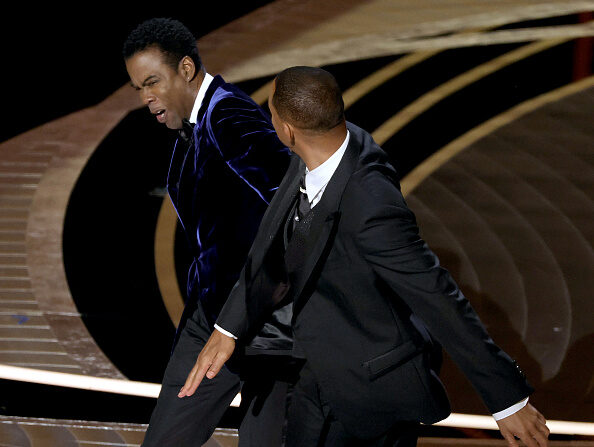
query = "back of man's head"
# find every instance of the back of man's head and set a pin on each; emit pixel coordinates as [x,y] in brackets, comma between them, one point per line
[170,36]
[309,98]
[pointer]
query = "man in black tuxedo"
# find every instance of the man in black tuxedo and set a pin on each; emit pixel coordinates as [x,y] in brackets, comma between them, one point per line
[225,168]
[370,300]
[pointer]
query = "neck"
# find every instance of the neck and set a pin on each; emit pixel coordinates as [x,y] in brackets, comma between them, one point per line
[194,87]
[315,149]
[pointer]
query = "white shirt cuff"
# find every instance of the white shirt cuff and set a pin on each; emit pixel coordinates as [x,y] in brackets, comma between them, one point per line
[223,331]
[511,410]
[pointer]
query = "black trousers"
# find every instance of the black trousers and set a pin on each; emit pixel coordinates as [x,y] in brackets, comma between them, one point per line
[191,421]
[311,422]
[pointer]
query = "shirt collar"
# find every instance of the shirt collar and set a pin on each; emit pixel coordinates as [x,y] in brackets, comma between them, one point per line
[316,179]
[200,97]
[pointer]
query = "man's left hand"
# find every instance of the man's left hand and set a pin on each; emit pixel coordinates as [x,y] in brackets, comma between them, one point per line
[216,352]
[528,425]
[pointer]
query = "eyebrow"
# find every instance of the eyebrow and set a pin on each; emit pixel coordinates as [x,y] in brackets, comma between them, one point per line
[143,82]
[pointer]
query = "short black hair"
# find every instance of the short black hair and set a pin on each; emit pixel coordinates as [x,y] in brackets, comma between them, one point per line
[309,98]
[170,36]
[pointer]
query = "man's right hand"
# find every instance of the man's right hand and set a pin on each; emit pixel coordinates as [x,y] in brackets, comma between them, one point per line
[528,425]
[216,352]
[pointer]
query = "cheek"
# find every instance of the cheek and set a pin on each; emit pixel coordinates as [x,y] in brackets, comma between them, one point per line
[178,99]
[164,95]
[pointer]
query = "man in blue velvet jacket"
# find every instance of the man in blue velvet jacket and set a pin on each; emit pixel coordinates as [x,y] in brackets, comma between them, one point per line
[225,168]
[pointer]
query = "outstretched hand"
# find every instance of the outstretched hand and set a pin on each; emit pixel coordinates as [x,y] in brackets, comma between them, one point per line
[216,352]
[528,425]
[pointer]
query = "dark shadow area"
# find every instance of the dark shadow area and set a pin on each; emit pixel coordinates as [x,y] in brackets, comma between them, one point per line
[43,401]
[108,244]
[570,394]
[569,19]
[487,97]
[375,108]
[59,59]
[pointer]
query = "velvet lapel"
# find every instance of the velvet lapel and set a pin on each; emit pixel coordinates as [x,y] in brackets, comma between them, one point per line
[180,169]
[323,226]
[178,158]
[212,88]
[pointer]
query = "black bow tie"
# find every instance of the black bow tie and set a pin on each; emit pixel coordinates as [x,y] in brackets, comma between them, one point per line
[187,131]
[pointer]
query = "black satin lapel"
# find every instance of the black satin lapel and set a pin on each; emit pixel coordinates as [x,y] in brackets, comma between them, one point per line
[318,241]
[287,191]
[324,224]
[277,210]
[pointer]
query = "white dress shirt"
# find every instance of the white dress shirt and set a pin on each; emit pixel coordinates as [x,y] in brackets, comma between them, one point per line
[200,97]
[316,181]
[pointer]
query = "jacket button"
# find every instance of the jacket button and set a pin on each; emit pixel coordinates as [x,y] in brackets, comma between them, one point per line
[520,370]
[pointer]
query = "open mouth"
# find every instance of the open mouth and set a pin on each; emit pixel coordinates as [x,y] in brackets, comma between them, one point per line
[160,114]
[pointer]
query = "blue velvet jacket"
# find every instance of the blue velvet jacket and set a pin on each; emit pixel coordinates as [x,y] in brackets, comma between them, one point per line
[220,186]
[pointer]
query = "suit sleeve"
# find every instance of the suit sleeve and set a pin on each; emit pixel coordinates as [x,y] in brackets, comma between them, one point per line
[248,143]
[233,317]
[389,241]
[242,313]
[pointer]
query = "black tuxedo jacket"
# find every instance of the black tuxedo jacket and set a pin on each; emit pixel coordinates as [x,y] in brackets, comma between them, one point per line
[369,299]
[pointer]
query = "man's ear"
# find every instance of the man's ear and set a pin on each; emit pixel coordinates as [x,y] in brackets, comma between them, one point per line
[289,132]
[187,68]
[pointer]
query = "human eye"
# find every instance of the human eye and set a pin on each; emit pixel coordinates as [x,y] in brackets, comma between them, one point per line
[150,82]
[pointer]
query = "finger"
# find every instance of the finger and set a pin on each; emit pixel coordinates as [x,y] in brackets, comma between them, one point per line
[546,431]
[192,386]
[528,439]
[215,367]
[195,377]
[541,439]
[542,427]
[191,375]
[511,441]
[183,389]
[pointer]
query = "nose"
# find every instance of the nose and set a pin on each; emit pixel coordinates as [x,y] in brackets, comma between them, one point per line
[146,97]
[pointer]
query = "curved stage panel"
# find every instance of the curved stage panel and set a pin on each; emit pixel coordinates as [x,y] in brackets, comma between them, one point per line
[518,207]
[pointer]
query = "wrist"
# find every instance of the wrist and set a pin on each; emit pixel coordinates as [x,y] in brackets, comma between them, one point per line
[224,332]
